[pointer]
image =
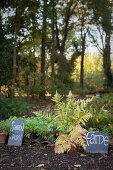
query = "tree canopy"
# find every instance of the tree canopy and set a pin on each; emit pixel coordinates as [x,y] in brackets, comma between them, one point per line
[42,39]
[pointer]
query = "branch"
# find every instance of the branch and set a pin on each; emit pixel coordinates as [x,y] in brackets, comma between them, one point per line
[101,36]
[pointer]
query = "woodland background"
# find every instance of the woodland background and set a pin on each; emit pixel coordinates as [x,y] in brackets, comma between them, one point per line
[44,47]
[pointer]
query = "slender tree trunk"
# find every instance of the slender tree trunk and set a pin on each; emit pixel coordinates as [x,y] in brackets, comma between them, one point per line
[30,82]
[107,61]
[66,29]
[43,47]
[27,83]
[53,46]
[82,62]
[0,26]
[14,62]
[34,83]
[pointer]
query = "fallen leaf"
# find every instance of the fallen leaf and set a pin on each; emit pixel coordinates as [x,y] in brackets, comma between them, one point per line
[13,164]
[45,154]
[102,157]
[29,166]
[77,165]
[39,166]
[83,155]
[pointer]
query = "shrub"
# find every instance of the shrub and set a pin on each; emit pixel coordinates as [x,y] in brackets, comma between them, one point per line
[14,107]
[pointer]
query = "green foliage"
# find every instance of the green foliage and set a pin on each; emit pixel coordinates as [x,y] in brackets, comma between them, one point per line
[14,107]
[102,118]
[62,45]
[57,98]
[108,129]
[68,112]
[61,87]
[6,55]
[5,126]
[1,112]
[49,117]
[81,91]
[33,125]
[106,101]
[35,90]
[46,115]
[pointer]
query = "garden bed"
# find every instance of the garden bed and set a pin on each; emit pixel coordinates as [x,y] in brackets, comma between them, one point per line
[41,156]
[34,156]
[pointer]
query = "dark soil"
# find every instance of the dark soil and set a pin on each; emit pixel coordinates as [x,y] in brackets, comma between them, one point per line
[41,157]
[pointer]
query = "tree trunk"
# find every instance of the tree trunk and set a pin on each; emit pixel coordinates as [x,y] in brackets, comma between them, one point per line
[107,61]
[29,86]
[82,62]
[53,46]
[43,47]
[14,61]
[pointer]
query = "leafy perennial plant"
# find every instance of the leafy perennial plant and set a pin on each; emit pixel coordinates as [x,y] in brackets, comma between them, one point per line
[70,112]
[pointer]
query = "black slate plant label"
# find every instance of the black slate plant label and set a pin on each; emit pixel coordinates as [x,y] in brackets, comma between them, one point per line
[97,142]
[16,133]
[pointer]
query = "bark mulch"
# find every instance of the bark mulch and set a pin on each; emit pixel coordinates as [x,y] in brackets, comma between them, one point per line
[33,156]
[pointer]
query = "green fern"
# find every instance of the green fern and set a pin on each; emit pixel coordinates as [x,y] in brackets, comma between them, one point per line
[68,112]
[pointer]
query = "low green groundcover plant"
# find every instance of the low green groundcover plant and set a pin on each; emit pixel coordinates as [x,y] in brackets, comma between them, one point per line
[33,125]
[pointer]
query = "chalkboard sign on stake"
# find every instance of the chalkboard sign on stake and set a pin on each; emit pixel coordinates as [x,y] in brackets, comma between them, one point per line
[16,133]
[97,95]
[97,142]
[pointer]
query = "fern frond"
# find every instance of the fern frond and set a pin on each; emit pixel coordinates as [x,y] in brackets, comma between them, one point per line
[84,118]
[58,149]
[61,144]
[73,141]
[60,139]
[72,147]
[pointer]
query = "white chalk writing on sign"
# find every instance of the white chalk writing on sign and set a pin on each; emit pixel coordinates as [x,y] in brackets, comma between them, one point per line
[16,137]
[93,138]
[17,127]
